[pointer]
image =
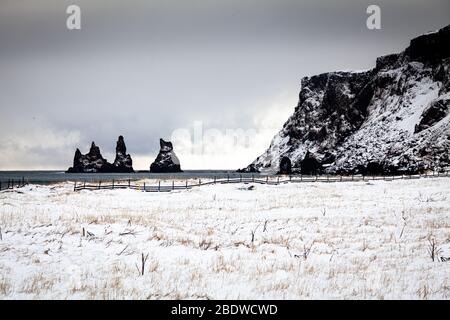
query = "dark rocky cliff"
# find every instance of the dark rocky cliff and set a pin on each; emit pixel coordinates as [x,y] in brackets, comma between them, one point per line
[393,118]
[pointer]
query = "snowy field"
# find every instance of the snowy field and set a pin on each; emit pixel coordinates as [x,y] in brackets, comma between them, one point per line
[351,240]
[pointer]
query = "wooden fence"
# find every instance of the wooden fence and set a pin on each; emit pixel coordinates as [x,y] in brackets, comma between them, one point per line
[269,180]
[11,184]
[191,183]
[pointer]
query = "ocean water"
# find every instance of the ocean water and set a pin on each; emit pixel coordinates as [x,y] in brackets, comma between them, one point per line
[48,177]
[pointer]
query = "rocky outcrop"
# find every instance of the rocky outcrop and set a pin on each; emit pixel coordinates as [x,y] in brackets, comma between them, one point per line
[309,164]
[437,111]
[285,166]
[166,161]
[93,161]
[393,118]
[123,161]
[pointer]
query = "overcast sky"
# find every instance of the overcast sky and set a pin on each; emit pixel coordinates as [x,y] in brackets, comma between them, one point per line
[147,69]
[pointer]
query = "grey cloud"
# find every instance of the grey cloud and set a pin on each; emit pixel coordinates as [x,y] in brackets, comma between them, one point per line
[146,68]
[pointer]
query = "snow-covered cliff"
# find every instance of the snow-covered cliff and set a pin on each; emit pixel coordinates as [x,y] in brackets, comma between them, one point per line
[390,119]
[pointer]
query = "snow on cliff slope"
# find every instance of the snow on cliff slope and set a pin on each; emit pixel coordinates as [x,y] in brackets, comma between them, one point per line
[393,118]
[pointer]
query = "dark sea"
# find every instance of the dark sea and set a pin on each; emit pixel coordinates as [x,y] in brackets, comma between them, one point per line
[48,177]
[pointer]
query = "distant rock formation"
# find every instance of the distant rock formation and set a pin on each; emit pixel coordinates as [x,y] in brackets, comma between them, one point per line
[285,166]
[93,162]
[166,161]
[123,161]
[309,164]
[90,162]
[392,119]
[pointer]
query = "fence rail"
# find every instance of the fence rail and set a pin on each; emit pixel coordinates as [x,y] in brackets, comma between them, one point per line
[190,183]
[268,180]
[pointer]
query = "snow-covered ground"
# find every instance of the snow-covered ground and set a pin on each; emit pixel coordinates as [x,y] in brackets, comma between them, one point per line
[367,240]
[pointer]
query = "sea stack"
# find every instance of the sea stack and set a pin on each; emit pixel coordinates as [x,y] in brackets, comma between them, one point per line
[93,162]
[89,163]
[166,161]
[123,161]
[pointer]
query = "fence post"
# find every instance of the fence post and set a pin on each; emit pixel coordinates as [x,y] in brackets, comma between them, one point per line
[74,186]
[228,178]
[267,179]
[144,186]
[129,183]
[214,179]
[99,185]
[186,184]
[173,185]
[113,184]
[0,185]
[240,177]
[278,180]
[23,181]
[159,186]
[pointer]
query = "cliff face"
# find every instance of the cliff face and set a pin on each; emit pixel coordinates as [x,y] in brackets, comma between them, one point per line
[393,118]
[166,161]
[93,161]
